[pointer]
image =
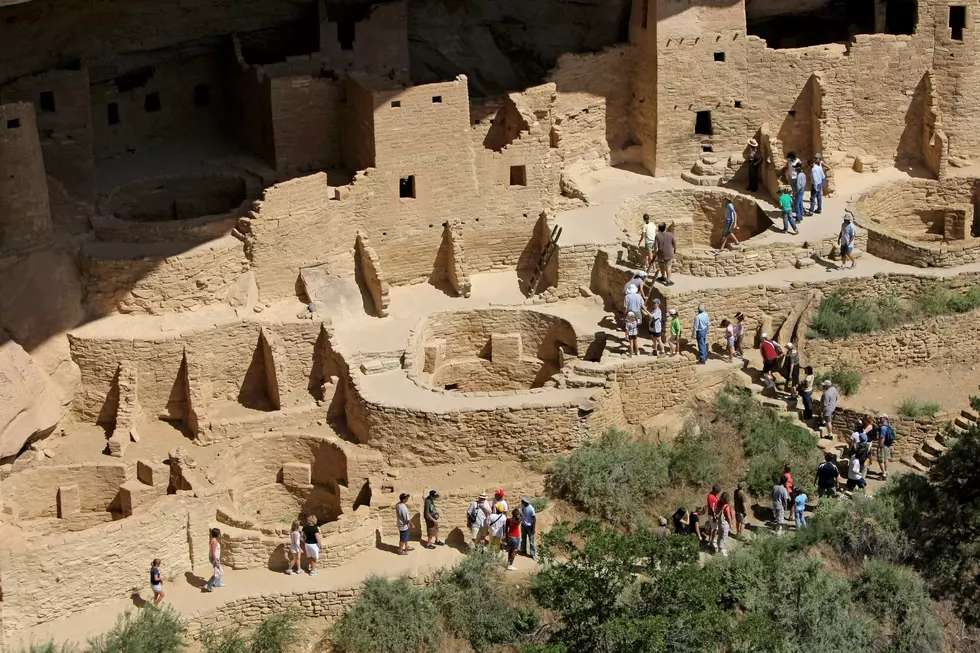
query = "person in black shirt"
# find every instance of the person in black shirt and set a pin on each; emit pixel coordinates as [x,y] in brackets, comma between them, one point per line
[680,522]
[827,475]
[311,541]
[156,582]
[694,523]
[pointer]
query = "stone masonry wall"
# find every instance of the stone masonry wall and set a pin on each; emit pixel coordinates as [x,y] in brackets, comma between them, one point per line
[34,492]
[910,433]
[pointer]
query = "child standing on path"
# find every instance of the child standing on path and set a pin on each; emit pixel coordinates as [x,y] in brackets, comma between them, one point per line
[729,339]
[675,332]
[739,333]
[632,332]
[156,582]
[214,555]
[513,537]
[295,548]
[786,204]
[799,501]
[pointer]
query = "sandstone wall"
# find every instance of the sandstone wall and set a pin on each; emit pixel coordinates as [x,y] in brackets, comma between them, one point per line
[25,211]
[910,433]
[34,492]
[306,111]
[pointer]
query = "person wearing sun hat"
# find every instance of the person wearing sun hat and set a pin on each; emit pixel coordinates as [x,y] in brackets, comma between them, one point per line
[476,520]
[754,159]
[846,241]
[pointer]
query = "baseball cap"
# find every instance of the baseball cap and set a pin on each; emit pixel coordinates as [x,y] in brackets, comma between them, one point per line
[765,335]
[656,300]
[672,311]
[828,383]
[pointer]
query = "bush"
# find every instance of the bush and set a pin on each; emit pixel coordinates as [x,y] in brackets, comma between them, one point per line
[473,602]
[230,640]
[613,477]
[389,615]
[49,647]
[975,403]
[896,597]
[539,504]
[694,459]
[918,409]
[861,528]
[150,630]
[276,634]
[845,376]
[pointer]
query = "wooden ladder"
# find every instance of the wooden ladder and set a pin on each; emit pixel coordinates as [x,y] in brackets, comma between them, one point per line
[549,251]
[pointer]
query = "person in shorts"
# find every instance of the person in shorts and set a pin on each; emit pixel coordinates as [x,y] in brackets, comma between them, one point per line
[729,329]
[731,224]
[632,325]
[476,520]
[295,550]
[404,519]
[846,240]
[311,544]
[431,516]
[665,245]
[497,525]
[513,537]
[657,327]
[741,509]
[886,439]
[647,235]
[156,582]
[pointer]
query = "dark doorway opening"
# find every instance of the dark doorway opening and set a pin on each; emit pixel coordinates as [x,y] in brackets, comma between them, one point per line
[901,16]
[702,123]
[836,22]
[957,21]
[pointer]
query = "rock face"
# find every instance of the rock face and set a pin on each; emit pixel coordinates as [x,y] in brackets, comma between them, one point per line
[29,404]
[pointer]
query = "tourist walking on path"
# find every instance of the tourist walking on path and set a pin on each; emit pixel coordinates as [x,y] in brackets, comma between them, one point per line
[311,544]
[295,549]
[731,224]
[829,402]
[827,475]
[513,538]
[214,557]
[786,206]
[886,439]
[818,177]
[497,525]
[726,517]
[657,327]
[846,242]
[675,332]
[770,354]
[664,247]
[791,366]
[529,522]
[787,476]
[739,333]
[854,477]
[741,509]
[806,392]
[729,339]
[476,520]
[754,159]
[404,519]
[799,188]
[156,582]
[711,510]
[632,325]
[780,499]
[636,281]
[700,331]
[431,516]
[648,233]
[799,507]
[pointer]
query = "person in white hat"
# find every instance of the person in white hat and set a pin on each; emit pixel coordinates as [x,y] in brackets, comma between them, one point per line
[637,281]
[633,302]
[791,366]
[754,158]
[476,520]
[846,241]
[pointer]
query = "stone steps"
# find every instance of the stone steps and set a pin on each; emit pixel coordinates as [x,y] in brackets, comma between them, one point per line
[933,448]
[576,381]
[914,465]
[924,458]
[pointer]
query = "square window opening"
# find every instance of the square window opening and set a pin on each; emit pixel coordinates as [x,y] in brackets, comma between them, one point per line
[707,148]
[47,101]
[112,112]
[738,104]
[436,99]
[202,95]
[406,187]
[518,175]
[345,34]
[13,123]
[152,102]
[719,56]
[395,104]
[702,123]
[957,21]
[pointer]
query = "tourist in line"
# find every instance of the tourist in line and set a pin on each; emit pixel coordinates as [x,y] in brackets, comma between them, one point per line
[805,390]
[657,328]
[694,524]
[863,451]
[818,177]
[661,532]
[791,161]
[214,557]
[731,224]
[498,497]
[496,525]
[675,332]
[513,538]
[827,475]
[431,516]
[711,510]
[799,508]
[787,476]
[780,499]
[632,325]
[846,241]
[664,247]
[770,354]
[156,582]
[404,519]
[311,544]
[637,281]
[700,332]
[295,549]
[529,522]
[739,333]
[741,509]
[633,302]
[886,440]
[855,479]
[754,158]
[725,518]
[829,402]
[786,205]
[681,521]
[799,188]
[791,366]
[648,234]
[729,330]
[476,520]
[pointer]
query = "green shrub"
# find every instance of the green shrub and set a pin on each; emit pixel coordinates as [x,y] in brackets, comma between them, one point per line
[975,403]
[613,477]
[231,640]
[845,376]
[861,528]
[539,504]
[918,409]
[473,602]
[389,615]
[276,634]
[50,647]
[897,598]
[694,458]
[150,630]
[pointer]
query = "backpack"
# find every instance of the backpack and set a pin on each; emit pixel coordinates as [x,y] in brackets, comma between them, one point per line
[777,348]
[471,514]
[888,437]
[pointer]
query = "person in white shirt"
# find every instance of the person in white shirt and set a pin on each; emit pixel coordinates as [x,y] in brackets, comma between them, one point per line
[818,177]
[476,520]
[647,235]
[854,477]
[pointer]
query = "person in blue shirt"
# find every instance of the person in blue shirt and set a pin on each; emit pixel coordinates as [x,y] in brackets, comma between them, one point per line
[799,507]
[886,439]
[528,522]
[731,224]
[700,332]
[818,177]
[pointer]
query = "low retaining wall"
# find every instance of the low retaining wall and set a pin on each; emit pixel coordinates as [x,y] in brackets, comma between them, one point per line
[910,433]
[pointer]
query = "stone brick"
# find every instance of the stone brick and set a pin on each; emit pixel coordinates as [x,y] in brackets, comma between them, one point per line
[296,475]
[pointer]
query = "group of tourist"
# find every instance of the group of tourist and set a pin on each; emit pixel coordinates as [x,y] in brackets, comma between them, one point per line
[489,525]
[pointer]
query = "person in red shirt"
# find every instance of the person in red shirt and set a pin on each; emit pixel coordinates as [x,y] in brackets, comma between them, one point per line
[770,354]
[513,538]
[789,479]
[713,530]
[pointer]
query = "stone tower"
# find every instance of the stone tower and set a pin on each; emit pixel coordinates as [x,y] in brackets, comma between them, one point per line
[25,213]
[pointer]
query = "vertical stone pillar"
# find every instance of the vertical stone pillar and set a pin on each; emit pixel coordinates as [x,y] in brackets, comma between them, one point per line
[25,212]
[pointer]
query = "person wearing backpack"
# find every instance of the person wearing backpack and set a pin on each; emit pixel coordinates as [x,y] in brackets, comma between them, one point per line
[770,355]
[886,439]
[476,520]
